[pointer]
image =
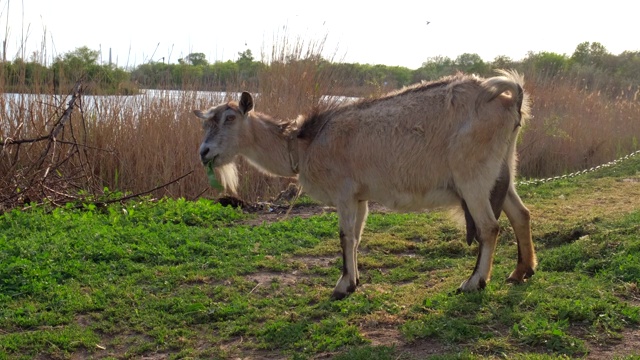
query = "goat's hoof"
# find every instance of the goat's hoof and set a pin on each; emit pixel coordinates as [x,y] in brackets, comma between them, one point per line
[513,281]
[338,295]
[470,285]
[530,272]
[520,276]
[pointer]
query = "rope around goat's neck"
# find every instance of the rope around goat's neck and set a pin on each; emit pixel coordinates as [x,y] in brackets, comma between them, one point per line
[292,147]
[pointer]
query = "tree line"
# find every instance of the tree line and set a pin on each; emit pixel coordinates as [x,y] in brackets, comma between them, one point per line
[591,65]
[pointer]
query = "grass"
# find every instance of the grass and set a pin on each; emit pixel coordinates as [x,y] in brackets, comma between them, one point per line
[182,279]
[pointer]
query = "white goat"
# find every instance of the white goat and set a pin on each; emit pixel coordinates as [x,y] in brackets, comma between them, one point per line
[440,144]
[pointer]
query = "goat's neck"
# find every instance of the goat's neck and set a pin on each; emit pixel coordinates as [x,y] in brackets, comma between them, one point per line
[268,147]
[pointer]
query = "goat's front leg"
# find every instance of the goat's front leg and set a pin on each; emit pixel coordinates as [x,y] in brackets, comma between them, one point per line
[348,217]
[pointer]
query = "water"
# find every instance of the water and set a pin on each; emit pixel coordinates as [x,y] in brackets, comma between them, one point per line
[110,106]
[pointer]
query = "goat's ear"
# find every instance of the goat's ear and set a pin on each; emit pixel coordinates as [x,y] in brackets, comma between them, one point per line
[200,114]
[246,103]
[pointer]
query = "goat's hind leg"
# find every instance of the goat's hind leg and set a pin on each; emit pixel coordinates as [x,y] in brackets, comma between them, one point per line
[352,216]
[519,217]
[361,219]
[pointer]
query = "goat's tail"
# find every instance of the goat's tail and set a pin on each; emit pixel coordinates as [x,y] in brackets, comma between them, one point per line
[508,81]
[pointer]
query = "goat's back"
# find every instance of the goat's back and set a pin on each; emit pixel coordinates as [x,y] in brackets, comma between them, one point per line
[411,140]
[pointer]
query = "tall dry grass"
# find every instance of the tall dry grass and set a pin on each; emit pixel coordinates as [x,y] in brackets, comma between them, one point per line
[574,128]
[131,144]
[292,84]
[137,143]
[142,142]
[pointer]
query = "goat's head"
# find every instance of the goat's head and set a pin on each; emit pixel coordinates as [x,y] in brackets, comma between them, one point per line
[222,126]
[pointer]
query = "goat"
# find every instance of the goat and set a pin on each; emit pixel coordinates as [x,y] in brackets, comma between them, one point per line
[447,143]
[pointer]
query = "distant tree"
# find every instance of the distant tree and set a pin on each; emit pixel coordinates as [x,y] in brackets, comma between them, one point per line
[247,67]
[82,55]
[183,75]
[587,53]
[401,75]
[628,66]
[472,64]
[548,63]
[74,65]
[82,63]
[245,59]
[194,59]
[434,68]
[502,62]
[226,71]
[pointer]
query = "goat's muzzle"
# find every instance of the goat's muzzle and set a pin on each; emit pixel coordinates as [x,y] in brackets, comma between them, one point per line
[204,151]
[208,160]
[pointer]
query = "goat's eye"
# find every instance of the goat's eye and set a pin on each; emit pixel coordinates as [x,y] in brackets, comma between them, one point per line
[231,118]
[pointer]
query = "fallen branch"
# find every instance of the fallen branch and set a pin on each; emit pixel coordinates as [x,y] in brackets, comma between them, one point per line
[129,197]
[10,141]
[104,203]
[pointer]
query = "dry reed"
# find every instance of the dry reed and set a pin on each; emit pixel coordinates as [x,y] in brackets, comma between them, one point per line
[136,143]
[575,129]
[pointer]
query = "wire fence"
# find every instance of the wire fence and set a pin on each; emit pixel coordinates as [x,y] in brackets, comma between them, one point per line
[574,174]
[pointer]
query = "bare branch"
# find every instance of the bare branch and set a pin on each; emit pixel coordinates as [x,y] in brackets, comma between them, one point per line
[103,203]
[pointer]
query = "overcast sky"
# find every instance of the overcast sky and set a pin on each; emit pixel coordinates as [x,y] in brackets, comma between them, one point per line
[398,32]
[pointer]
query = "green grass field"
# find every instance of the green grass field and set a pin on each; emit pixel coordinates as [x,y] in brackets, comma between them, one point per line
[194,280]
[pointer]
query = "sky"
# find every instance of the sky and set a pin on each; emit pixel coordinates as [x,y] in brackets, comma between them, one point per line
[393,33]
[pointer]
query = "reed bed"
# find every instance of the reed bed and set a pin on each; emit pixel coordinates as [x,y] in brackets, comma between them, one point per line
[149,142]
[574,128]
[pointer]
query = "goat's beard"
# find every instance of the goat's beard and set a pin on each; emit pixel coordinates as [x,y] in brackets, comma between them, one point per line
[228,175]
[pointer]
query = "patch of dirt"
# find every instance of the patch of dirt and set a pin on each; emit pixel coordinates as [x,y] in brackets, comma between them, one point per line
[237,350]
[422,348]
[382,329]
[270,213]
[389,335]
[628,345]
[631,180]
[383,336]
[159,356]
[315,261]
[291,278]
[267,277]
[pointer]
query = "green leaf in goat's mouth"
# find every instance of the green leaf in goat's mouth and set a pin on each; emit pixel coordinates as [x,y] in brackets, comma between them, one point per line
[213,182]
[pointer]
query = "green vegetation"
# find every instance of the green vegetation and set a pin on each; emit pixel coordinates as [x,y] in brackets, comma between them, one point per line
[186,279]
[23,76]
[590,66]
